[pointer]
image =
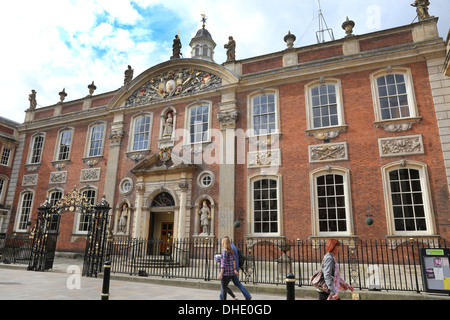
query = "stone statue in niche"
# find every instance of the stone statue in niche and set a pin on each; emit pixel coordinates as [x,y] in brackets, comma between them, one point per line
[168,125]
[205,216]
[123,220]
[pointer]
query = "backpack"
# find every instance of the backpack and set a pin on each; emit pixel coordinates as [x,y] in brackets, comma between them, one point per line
[241,257]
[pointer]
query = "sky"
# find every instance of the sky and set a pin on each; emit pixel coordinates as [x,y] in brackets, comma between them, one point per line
[48,45]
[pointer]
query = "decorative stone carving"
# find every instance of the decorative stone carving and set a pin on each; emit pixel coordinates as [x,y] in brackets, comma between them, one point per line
[90,175]
[30,180]
[264,158]
[325,134]
[172,84]
[228,118]
[58,177]
[31,167]
[328,152]
[60,164]
[137,155]
[401,146]
[397,127]
[115,136]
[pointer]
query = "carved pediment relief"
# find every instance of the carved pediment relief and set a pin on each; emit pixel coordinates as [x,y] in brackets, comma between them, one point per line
[179,82]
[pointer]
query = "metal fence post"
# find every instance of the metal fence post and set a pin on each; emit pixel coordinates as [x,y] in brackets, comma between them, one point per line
[290,287]
[106,278]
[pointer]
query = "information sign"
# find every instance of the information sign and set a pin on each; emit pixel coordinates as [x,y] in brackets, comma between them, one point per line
[436,270]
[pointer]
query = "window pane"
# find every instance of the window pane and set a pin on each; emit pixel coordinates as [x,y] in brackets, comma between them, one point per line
[407,200]
[265,206]
[331,203]
[392,94]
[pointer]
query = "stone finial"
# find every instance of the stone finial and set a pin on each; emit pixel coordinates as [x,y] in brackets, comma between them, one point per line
[62,95]
[92,88]
[289,39]
[348,26]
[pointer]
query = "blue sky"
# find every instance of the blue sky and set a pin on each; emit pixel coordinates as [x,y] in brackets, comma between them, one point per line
[49,45]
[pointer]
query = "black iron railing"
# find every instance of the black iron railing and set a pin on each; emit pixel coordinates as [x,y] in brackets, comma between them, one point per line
[15,249]
[375,265]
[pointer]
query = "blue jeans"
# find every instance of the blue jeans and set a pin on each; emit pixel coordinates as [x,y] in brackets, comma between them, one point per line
[239,285]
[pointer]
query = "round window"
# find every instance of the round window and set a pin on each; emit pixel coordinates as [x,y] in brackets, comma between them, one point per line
[126,185]
[205,179]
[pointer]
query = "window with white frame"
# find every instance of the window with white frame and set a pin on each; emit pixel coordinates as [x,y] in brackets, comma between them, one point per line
[393,95]
[64,144]
[83,217]
[6,155]
[264,114]
[331,202]
[324,104]
[141,133]
[37,147]
[26,202]
[265,206]
[199,123]
[408,196]
[97,133]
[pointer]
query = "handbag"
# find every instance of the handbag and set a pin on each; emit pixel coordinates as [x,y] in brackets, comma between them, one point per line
[317,280]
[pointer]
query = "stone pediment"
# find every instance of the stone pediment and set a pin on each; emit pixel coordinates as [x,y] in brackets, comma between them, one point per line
[172,84]
[173,79]
[155,165]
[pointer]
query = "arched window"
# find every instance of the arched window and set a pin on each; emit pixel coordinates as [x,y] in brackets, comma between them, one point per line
[331,204]
[199,122]
[163,199]
[407,195]
[37,146]
[393,94]
[324,105]
[26,204]
[141,133]
[265,206]
[64,144]
[264,113]
[96,138]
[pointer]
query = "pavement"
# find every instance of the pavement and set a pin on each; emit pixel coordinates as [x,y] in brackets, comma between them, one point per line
[64,282]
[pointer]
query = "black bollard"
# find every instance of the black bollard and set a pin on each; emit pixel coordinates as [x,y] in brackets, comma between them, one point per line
[106,278]
[290,287]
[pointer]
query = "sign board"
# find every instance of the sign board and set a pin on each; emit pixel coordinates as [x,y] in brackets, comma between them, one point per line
[436,270]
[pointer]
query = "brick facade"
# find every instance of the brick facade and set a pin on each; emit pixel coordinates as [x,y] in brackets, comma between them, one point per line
[351,65]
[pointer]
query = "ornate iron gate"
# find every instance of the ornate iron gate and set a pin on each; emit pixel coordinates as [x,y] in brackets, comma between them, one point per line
[45,236]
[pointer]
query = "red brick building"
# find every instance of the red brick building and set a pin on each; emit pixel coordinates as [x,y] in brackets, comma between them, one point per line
[8,150]
[304,143]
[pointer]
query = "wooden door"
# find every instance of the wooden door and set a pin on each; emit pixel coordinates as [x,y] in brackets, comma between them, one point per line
[166,237]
